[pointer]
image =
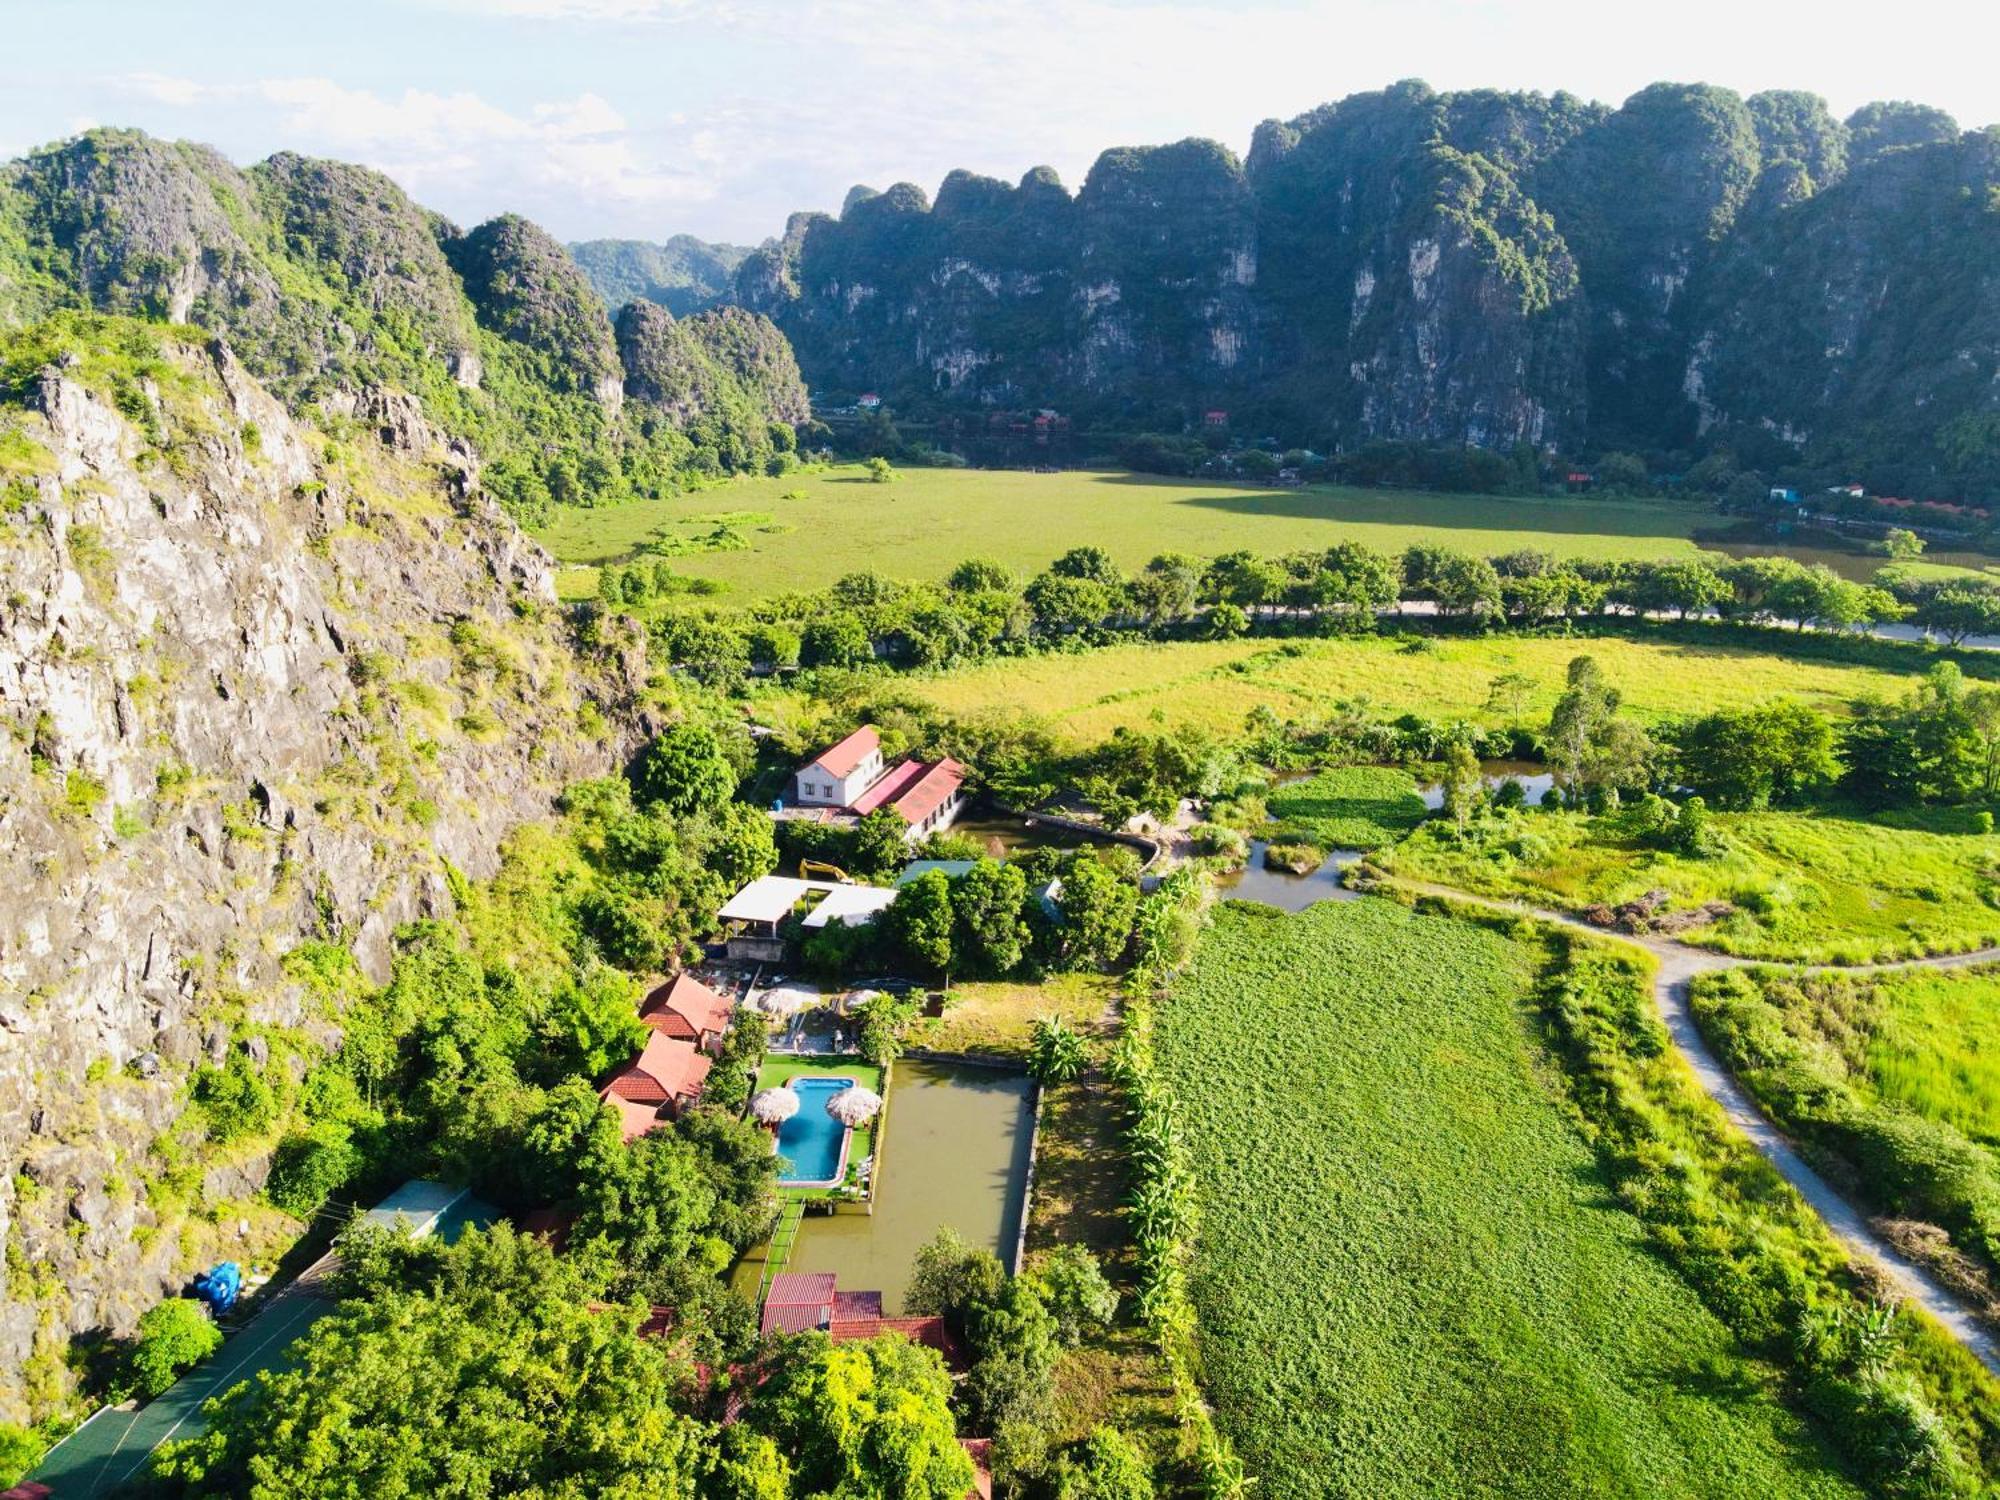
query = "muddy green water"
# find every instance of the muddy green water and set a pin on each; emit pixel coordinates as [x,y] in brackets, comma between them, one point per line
[955,1151]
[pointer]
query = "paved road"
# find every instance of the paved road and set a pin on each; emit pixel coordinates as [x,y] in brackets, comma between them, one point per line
[1678,964]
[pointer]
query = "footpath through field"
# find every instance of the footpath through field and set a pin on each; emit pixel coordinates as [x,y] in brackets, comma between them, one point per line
[1677,966]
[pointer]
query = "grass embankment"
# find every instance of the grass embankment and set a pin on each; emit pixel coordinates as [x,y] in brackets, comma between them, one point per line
[1890,1082]
[1817,887]
[1348,807]
[929,520]
[1213,685]
[1410,1280]
[998,1016]
[1115,1377]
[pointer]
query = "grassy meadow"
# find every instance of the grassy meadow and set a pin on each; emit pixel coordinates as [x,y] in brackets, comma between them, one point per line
[1411,1279]
[1890,1081]
[929,520]
[1348,807]
[1813,887]
[1213,685]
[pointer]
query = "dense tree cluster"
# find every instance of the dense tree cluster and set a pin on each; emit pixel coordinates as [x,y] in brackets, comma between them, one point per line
[1084,599]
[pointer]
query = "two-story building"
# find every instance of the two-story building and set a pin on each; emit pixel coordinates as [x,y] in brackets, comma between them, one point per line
[850,780]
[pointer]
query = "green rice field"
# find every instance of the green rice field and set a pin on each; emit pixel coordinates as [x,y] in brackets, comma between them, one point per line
[928,520]
[1411,1279]
[1213,685]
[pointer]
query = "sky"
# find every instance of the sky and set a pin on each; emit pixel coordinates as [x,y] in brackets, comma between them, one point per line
[647,118]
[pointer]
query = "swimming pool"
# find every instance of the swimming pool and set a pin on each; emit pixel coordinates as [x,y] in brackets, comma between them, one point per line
[812,1140]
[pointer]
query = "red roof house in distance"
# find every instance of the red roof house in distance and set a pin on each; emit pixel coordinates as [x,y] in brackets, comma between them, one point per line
[667,1076]
[850,778]
[799,1301]
[809,1301]
[688,1010]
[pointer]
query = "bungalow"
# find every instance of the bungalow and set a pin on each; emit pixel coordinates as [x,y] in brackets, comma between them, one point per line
[850,778]
[665,1078]
[688,1010]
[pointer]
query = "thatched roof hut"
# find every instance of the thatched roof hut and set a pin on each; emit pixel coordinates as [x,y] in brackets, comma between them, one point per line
[854,1106]
[774,1106]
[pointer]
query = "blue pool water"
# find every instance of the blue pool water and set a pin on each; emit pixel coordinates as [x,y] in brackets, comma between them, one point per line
[812,1141]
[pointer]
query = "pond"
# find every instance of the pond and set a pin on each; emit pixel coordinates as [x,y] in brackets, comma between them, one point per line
[1284,890]
[1535,780]
[954,1150]
[1002,835]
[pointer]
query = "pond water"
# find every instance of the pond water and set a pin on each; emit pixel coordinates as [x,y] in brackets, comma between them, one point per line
[1284,890]
[1535,781]
[1001,835]
[812,1140]
[954,1150]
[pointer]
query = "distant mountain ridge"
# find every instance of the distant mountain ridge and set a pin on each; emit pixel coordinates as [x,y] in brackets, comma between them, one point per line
[1692,273]
[328,282]
[684,275]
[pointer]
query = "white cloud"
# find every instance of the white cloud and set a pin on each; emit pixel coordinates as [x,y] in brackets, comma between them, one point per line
[647,117]
[456,150]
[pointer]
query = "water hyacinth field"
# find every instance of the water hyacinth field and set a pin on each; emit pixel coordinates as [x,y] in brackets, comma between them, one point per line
[1411,1278]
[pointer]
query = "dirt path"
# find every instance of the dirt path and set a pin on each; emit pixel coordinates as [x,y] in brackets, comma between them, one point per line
[1678,964]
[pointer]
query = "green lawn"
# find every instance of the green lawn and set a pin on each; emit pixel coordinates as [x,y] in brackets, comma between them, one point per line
[1213,685]
[1818,887]
[1348,807]
[931,519]
[1411,1278]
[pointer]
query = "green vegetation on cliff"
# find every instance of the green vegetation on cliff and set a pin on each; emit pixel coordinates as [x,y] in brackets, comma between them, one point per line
[327,281]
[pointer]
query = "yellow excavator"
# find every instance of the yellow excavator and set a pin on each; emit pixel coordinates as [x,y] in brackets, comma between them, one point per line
[818,868]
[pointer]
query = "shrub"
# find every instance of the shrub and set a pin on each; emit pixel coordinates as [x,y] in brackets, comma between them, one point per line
[310,1166]
[172,1336]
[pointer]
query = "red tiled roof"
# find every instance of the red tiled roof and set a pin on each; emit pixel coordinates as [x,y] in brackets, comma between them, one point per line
[634,1119]
[799,1301]
[930,1332]
[845,758]
[937,786]
[980,1451]
[890,785]
[686,1008]
[914,788]
[667,1068]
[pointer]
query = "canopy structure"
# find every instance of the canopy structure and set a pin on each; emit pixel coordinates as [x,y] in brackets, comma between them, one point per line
[854,1105]
[774,1106]
[851,906]
[769,899]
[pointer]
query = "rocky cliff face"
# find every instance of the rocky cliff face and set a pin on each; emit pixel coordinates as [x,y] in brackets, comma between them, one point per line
[683,275]
[1478,267]
[258,686]
[329,282]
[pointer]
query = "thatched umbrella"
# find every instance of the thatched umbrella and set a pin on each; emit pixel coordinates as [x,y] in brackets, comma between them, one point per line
[854,1106]
[774,1106]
